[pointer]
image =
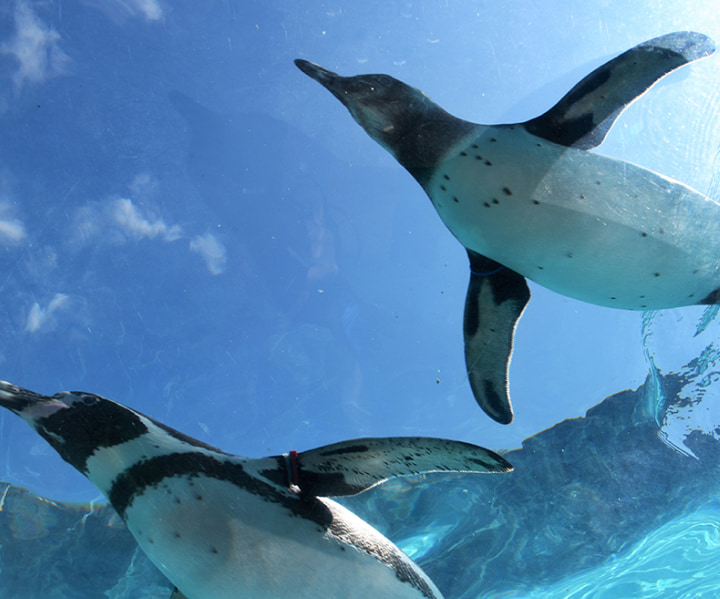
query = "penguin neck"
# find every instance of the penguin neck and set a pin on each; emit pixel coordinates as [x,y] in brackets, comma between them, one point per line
[107,463]
[424,143]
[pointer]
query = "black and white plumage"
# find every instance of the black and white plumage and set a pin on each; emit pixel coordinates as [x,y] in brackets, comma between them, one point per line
[527,200]
[221,526]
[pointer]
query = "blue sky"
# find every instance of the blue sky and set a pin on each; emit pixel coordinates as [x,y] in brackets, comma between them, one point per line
[191,226]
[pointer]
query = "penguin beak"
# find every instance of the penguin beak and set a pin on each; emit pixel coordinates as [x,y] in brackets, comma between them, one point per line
[320,74]
[14,398]
[26,404]
[328,79]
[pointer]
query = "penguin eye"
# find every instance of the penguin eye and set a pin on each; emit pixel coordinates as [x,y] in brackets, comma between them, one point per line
[87,400]
[385,80]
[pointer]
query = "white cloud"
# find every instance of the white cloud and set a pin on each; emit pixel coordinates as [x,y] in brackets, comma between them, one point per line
[127,216]
[42,318]
[144,185]
[116,221]
[36,48]
[121,10]
[12,231]
[211,250]
[149,8]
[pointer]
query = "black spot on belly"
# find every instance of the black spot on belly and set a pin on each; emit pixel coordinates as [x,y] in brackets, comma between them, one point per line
[507,191]
[463,153]
[475,146]
[446,178]
[613,298]
[198,497]
[443,188]
[661,231]
[541,268]
[478,157]
[488,163]
[570,255]
[597,182]
[643,234]
[582,196]
[176,534]
[493,140]
[486,205]
[496,201]
[691,295]
[536,202]
[456,200]
[214,550]
[656,274]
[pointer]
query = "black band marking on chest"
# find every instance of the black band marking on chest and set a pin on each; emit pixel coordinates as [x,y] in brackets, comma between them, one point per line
[151,473]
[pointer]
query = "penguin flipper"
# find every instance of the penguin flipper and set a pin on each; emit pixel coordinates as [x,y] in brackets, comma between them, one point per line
[496,298]
[583,117]
[351,467]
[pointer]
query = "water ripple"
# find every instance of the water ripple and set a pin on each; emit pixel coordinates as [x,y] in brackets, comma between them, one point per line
[679,560]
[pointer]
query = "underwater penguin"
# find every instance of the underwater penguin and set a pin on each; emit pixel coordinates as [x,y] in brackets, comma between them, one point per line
[221,526]
[529,200]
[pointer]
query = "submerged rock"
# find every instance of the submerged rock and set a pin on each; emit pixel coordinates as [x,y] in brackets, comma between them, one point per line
[70,551]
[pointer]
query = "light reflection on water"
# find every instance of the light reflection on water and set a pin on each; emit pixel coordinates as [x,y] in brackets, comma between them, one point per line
[679,559]
[418,546]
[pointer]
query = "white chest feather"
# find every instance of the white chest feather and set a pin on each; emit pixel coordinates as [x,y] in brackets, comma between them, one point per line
[216,541]
[584,225]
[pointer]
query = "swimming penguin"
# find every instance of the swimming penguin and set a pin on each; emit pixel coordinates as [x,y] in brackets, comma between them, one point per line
[221,526]
[529,200]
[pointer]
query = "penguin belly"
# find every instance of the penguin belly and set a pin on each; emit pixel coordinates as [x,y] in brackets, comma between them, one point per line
[214,540]
[584,225]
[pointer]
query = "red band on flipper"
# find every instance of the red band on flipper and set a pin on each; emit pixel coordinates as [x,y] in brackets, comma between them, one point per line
[292,471]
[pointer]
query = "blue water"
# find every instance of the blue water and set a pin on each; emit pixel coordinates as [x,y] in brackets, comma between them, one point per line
[190,226]
[679,559]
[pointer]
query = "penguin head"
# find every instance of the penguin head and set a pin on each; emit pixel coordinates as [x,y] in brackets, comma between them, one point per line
[386,108]
[75,424]
[402,119]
